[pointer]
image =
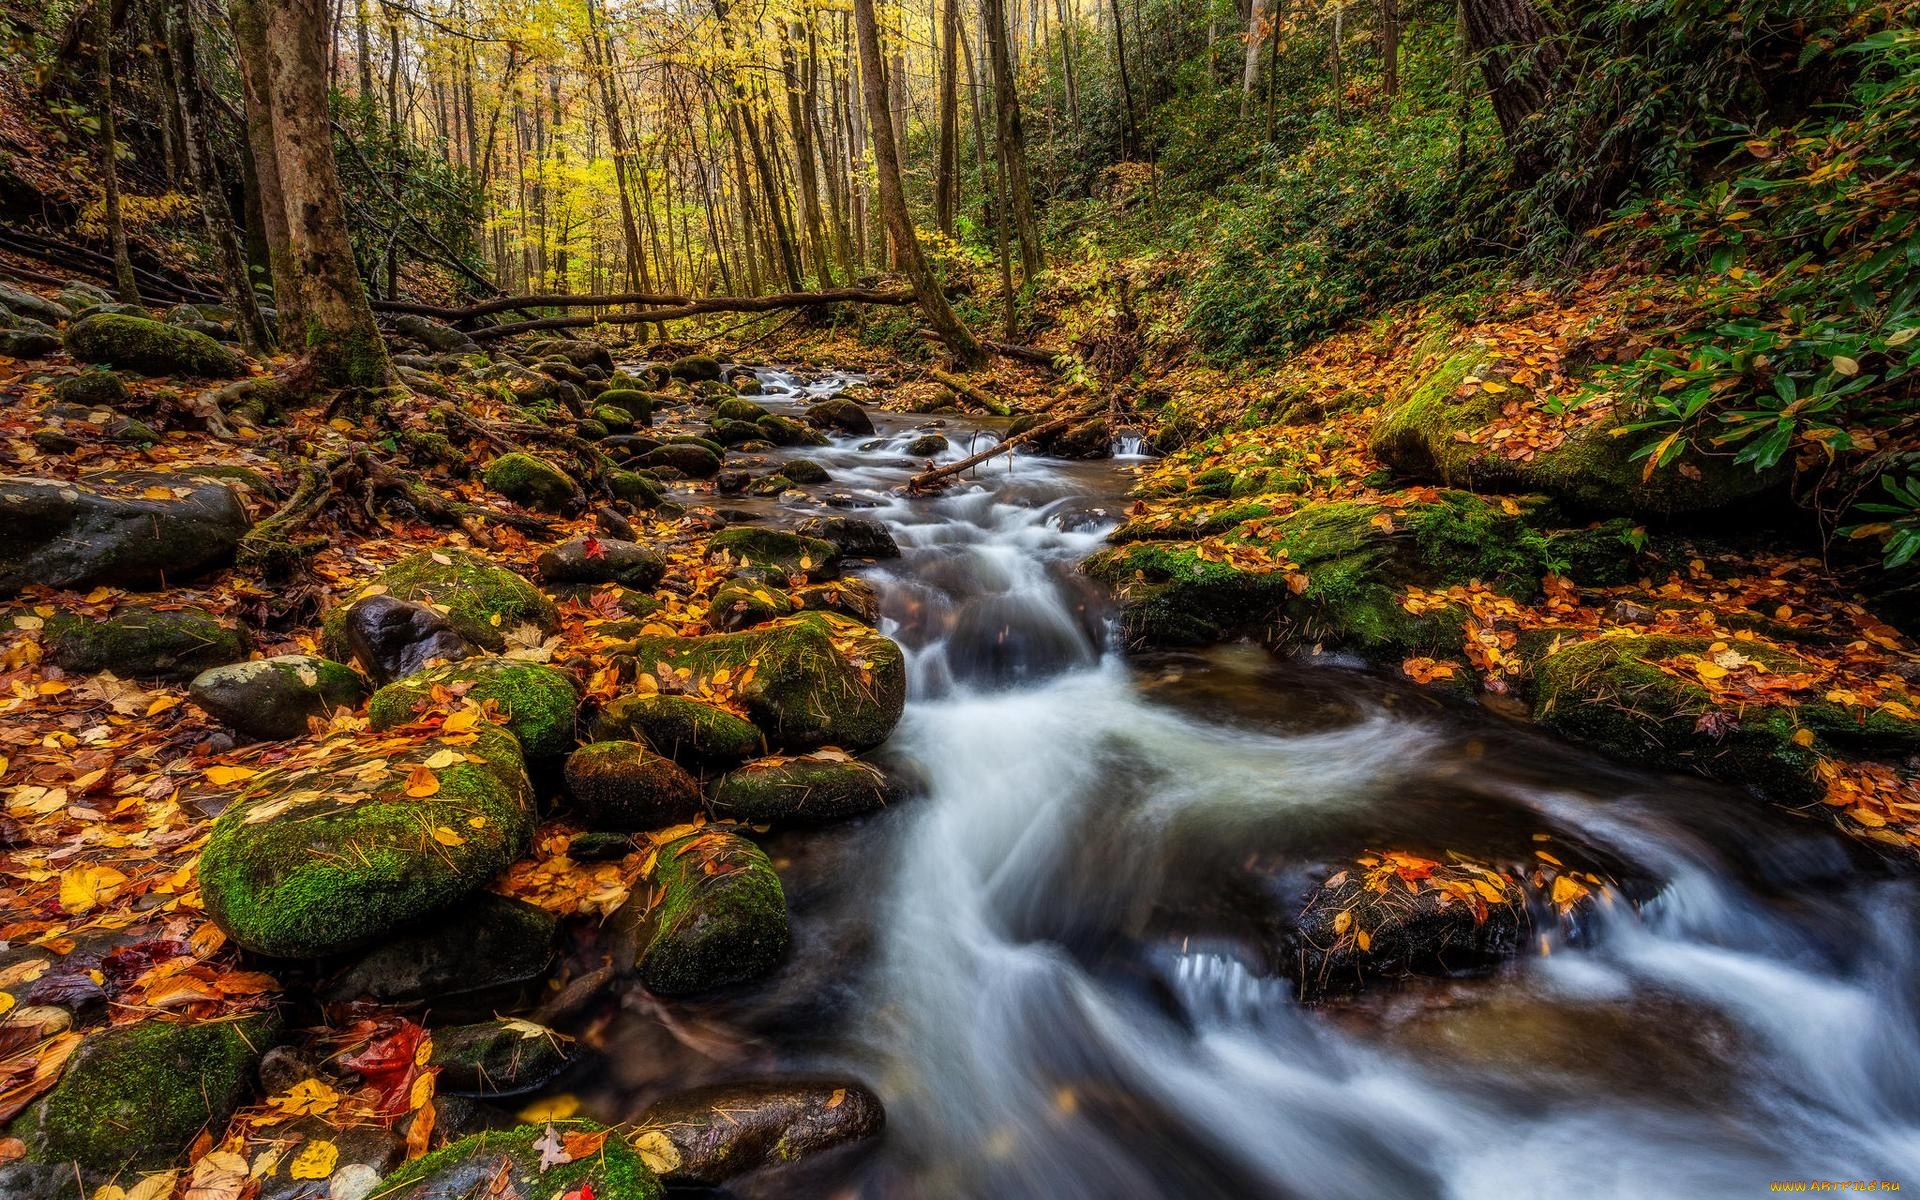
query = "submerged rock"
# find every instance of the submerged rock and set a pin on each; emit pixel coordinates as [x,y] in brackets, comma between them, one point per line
[626,786]
[1398,914]
[809,789]
[715,916]
[498,1058]
[539,701]
[136,1096]
[362,1155]
[603,560]
[486,1164]
[150,347]
[484,952]
[331,851]
[273,698]
[709,1135]
[686,730]
[481,600]
[130,529]
[146,643]
[393,638]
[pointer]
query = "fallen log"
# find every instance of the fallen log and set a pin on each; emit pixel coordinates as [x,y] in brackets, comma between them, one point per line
[973,460]
[683,308]
[959,386]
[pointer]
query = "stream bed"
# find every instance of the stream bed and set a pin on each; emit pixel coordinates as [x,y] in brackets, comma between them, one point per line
[1060,963]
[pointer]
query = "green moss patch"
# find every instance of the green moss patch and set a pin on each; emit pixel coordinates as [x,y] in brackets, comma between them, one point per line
[531,481]
[473,1165]
[716,916]
[539,701]
[146,643]
[483,600]
[150,347]
[686,730]
[806,790]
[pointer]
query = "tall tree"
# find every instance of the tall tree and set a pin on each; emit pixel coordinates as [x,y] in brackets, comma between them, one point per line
[250,40]
[1012,139]
[893,199]
[1520,58]
[946,185]
[1250,70]
[125,286]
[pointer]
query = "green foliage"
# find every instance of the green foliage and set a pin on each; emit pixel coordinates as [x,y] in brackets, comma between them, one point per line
[385,174]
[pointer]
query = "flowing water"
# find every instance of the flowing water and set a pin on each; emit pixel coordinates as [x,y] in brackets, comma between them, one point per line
[1061,964]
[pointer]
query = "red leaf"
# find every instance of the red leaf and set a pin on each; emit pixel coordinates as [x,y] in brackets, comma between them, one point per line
[594,550]
[389,1063]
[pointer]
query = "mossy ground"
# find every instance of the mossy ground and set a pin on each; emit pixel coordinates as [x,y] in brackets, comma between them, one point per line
[469,1166]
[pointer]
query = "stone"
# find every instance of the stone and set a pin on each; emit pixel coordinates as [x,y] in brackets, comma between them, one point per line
[806,471]
[636,489]
[580,352]
[637,405]
[363,1154]
[733,408]
[927,445]
[708,1135]
[481,600]
[490,1163]
[272,698]
[784,552]
[393,639]
[29,340]
[489,950]
[693,461]
[533,482]
[850,597]
[330,851]
[843,415]
[809,789]
[715,915]
[603,560]
[688,731]
[144,643]
[128,529]
[854,537]
[539,701]
[623,785]
[29,304]
[743,604]
[694,368]
[785,431]
[498,1058]
[150,347]
[1464,918]
[78,295]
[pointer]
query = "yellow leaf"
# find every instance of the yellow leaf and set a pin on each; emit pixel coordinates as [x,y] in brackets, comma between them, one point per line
[552,1108]
[657,1150]
[1659,452]
[222,775]
[422,1090]
[157,493]
[86,887]
[1365,939]
[1342,921]
[1845,366]
[1492,385]
[447,837]
[421,783]
[53,687]
[1566,890]
[1709,670]
[315,1160]
[1803,737]
[442,758]
[464,721]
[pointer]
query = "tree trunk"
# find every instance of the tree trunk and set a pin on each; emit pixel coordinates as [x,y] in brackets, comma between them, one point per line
[893,200]
[945,184]
[125,286]
[1390,46]
[599,61]
[339,335]
[1129,135]
[803,162]
[1519,59]
[1012,141]
[250,40]
[1250,72]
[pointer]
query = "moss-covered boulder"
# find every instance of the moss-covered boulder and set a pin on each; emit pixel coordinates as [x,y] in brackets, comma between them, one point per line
[539,701]
[481,1164]
[90,389]
[636,405]
[603,560]
[146,643]
[695,368]
[778,550]
[927,445]
[785,431]
[855,537]
[482,956]
[624,785]
[531,481]
[1643,698]
[686,730]
[708,1135]
[816,679]
[744,604]
[715,915]
[1436,431]
[810,789]
[841,414]
[1397,914]
[695,462]
[635,488]
[359,835]
[732,408]
[482,601]
[150,347]
[850,597]
[136,1096]
[497,1058]
[132,529]
[276,697]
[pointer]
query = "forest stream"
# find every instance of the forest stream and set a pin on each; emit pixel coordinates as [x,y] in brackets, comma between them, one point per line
[1058,964]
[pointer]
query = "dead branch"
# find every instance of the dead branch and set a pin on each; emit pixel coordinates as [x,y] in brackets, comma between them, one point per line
[959,386]
[1041,430]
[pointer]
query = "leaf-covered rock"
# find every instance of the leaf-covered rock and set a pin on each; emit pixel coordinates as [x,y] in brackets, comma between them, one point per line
[539,701]
[777,550]
[603,560]
[686,730]
[534,1161]
[715,916]
[482,600]
[272,698]
[624,785]
[708,1135]
[809,789]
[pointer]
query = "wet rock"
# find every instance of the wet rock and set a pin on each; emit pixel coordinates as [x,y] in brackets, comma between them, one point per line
[614,420]
[29,339]
[818,678]
[1085,439]
[695,368]
[498,1058]
[487,950]
[850,597]
[309,860]
[135,1096]
[599,845]
[733,408]
[131,529]
[363,1155]
[580,352]
[637,405]
[36,307]
[806,471]
[481,600]
[1398,914]
[78,296]
[539,701]
[855,537]
[732,482]
[603,560]
[145,643]
[695,462]
[709,1135]
[636,489]
[273,698]
[532,482]
[150,347]
[777,549]
[439,338]
[785,431]
[810,790]
[623,785]
[844,415]
[742,605]
[927,445]
[686,730]
[487,1164]
[736,433]
[393,638]
[714,916]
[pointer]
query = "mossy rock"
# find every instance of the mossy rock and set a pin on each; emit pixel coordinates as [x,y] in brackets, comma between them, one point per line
[144,643]
[614,420]
[686,730]
[737,433]
[626,786]
[136,1096]
[806,471]
[474,1166]
[927,445]
[483,600]
[497,1058]
[539,700]
[603,560]
[482,956]
[715,915]
[331,852]
[1428,932]
[90,389]
[1608,692]
[1426,434]
[695,368]
[735,409]
[708,1135]
[801,790]
[850,597]
[533,482]
[150,347]
[742,605]
[843,415]
[636,489]
[693,461]
[273,698]
[636,405]
[591,430]
[777,549]
[818,679]
[785,431]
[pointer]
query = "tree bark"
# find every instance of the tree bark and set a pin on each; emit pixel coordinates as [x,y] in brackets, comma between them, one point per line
[1519,59]
[1250,71]
[1012,141]
[946,184]
[125,286]
[893,201]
